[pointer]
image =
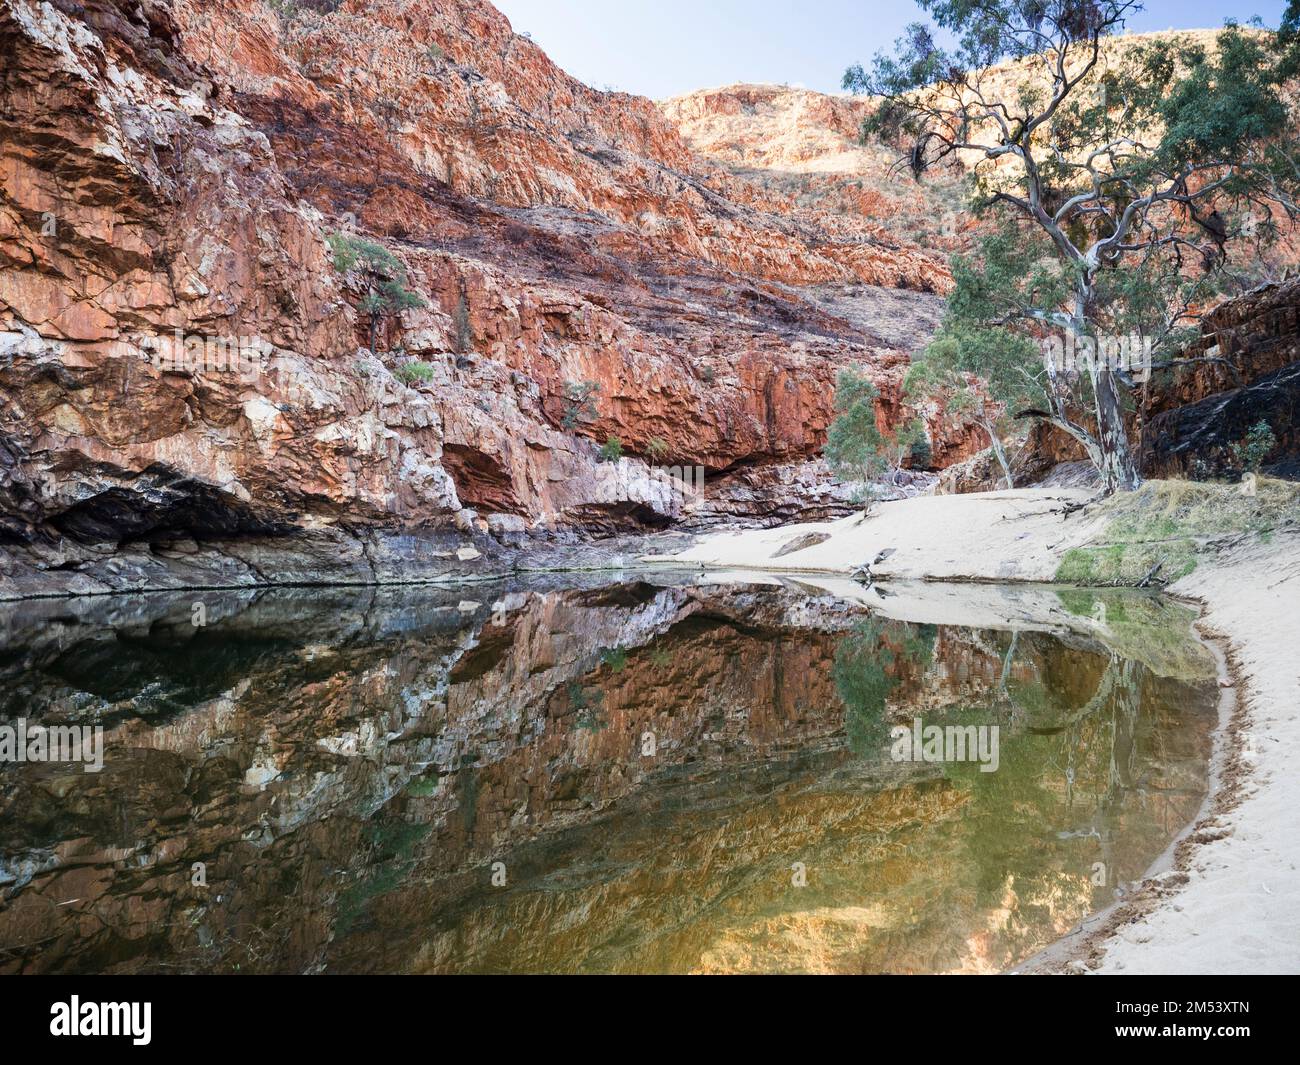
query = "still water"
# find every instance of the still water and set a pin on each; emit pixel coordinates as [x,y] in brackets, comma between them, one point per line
[586,775]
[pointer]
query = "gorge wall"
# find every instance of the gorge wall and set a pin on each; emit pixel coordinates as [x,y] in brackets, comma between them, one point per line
[170,172]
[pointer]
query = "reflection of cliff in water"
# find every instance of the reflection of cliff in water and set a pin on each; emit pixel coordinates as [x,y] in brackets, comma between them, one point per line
[349,764]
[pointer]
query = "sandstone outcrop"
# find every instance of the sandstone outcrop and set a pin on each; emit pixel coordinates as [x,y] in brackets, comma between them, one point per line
[804,147]
[170,172]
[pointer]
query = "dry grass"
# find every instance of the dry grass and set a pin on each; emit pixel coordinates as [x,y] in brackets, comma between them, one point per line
[1171,524]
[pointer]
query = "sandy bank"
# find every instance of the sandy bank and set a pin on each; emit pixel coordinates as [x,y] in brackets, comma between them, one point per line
[1231,902]
[1018,535]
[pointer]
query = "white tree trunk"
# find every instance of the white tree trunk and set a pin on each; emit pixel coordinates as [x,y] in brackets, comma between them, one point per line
[999,451]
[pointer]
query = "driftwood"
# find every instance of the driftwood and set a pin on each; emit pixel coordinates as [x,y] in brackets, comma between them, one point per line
[1150,575]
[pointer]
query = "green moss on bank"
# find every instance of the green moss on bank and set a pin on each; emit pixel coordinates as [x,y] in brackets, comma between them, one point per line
[1171,524]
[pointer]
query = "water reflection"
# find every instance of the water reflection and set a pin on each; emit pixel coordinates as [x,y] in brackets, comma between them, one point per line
[641,776]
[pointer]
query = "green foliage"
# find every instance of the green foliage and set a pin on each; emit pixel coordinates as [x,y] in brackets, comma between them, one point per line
[909,441]
[1118,176]
[392,845]
[1222,105]
[1170,523]
[285,10]
[349,250]
[614,658]
[1251,452]
[1289,39]
[997,288]
[579,403]
[656,448]
[289,10]
[869,663]
[414,372]
[590,720]
[611,450]
[586,704]
[383,275]
[1092,565]
[854,443]
[920,455]
[395,297]
[1006,366]
[856,449]
[426,785]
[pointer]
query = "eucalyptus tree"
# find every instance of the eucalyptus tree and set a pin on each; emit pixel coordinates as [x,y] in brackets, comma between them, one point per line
[856,449]
[1118,175]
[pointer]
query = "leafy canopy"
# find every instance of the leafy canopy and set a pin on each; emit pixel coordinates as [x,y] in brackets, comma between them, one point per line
[384,277]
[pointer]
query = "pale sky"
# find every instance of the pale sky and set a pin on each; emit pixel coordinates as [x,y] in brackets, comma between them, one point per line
[660,48]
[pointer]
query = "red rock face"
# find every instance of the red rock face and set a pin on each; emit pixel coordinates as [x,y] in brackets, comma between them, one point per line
[803,150]
[1241,340]
[177,166]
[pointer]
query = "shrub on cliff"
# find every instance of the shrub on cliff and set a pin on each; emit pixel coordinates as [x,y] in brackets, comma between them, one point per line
[579,403]
[289,10]
[383,276]
[1254,448]
[415,373]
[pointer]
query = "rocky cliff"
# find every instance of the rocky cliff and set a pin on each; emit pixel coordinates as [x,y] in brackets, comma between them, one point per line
[1243,371]
[183,360]
[803,145]
[804,148]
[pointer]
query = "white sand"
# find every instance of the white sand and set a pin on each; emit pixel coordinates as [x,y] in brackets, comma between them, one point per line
[1239,909]
[1008,536]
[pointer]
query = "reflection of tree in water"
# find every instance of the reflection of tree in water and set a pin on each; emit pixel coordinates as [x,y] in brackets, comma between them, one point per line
[1068,765]
[1067,775]
[869,663]
[1114,703]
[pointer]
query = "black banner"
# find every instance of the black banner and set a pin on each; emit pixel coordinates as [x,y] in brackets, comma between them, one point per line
[147,1014]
